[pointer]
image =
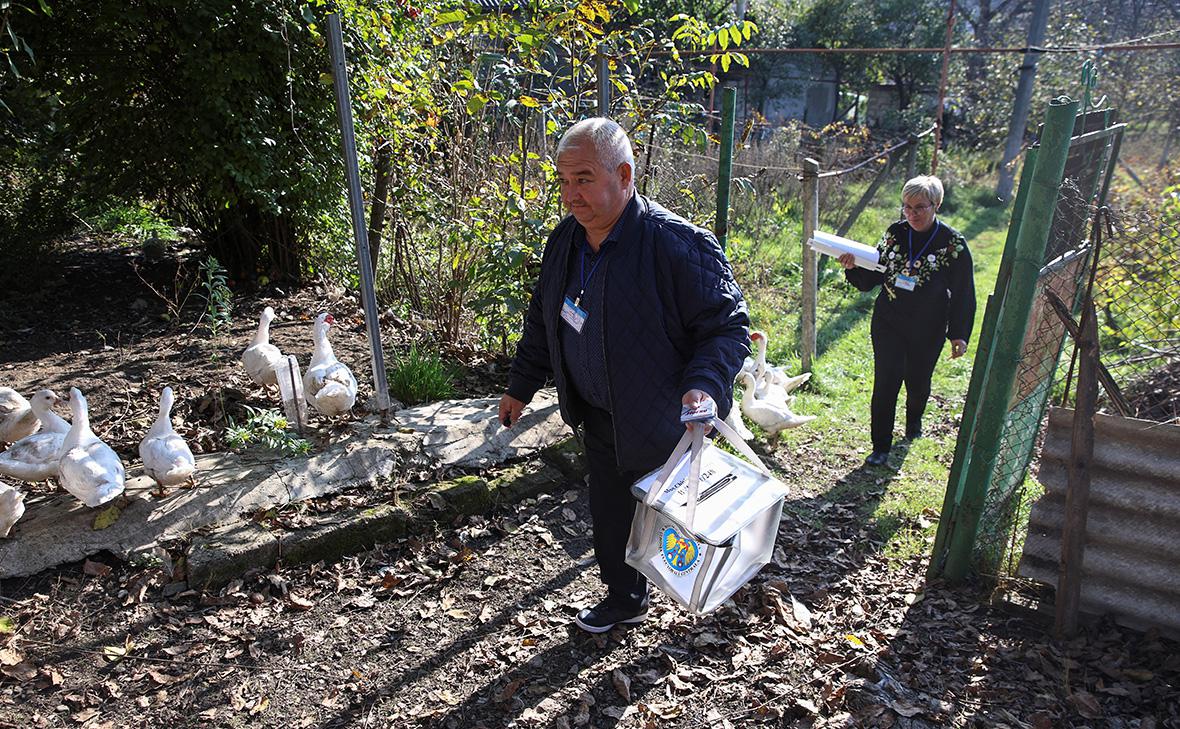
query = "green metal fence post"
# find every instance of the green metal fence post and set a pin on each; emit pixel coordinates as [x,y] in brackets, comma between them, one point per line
[1010,330]
[725,165]
[983,362]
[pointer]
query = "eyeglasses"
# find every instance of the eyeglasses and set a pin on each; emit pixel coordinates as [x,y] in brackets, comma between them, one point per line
[916,208]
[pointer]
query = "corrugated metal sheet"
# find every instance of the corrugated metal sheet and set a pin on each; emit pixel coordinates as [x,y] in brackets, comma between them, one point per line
[1131,567]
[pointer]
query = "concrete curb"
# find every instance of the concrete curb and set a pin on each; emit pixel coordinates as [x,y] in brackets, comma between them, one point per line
[231,551]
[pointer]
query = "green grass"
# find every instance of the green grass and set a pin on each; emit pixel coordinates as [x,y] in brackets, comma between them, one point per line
[420,377]
[901,506]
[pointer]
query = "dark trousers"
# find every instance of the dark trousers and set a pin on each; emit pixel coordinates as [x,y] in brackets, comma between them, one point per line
[901,356]
[611,505]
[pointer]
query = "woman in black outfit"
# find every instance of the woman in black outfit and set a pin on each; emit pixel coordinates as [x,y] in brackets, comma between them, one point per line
[927,296]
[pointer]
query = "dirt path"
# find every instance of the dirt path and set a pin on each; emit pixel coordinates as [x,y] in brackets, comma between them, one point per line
[470,627]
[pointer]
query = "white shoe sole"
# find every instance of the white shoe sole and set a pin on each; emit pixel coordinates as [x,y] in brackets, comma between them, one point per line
[602,629]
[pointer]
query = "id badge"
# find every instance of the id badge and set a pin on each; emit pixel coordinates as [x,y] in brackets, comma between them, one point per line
[572,315]
[904,282]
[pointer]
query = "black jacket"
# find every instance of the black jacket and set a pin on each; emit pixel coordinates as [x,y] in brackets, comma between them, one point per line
[944,303]
[675,320]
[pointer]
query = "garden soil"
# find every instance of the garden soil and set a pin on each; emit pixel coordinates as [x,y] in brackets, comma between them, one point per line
[469,624]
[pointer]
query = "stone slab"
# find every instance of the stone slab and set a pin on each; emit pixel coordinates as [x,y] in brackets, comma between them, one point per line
[57,529]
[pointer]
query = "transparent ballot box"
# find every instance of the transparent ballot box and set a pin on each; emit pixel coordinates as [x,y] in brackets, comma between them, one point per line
[707,521]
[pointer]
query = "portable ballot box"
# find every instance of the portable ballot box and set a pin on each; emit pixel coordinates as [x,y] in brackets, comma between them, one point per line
[699,542]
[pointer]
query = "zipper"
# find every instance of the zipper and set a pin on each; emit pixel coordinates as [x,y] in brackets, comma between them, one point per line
[610,396]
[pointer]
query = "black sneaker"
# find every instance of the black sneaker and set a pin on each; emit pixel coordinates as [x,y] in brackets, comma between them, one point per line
[878,458]
[913,433]
[614,610]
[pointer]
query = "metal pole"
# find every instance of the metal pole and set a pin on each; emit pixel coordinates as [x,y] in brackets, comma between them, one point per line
[810,267]
[1077,497]
[603,82]
[1020,106]
[1010,330]
[357,204]
[979,370]
[725,165]
[946,61]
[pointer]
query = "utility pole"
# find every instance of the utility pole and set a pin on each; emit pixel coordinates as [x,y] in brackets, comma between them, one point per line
[1020,106]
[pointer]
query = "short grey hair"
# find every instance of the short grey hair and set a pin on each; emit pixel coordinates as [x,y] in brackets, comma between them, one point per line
[612,147]
[928,186]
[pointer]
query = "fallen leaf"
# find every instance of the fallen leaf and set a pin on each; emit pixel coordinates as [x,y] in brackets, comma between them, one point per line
[854,641]
[7,624]
[1085,704]
[665,711]
[801,613]
[85,715]
[904,709]
[10,657]
[162,678]
[622,684]
[299,603]
[95,569]
[508,691]
[21,671]
[259,707]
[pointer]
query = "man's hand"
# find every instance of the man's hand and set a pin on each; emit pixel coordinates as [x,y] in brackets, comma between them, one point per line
[847,260]
[694,398]
[958,348]
[510,409]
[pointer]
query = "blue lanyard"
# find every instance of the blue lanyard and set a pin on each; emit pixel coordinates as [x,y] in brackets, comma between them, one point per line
[582,272]
[937,225]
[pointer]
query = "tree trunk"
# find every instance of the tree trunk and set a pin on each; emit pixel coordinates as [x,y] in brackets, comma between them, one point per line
[383,170]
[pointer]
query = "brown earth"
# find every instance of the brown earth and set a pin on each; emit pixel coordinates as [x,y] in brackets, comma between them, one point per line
[469,626]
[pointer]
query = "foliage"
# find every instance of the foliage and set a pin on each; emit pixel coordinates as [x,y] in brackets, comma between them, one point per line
[214,107]
[135,220]
[420,377]
[218,297]
[267,429]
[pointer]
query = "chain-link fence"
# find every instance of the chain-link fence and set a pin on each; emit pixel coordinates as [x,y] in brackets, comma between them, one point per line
[1137,297]
[984,512]
[1062,273]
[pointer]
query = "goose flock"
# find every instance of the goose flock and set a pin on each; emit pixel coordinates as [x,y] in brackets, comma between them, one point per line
[329,385]
[69,451]
[42,445]
[766,395]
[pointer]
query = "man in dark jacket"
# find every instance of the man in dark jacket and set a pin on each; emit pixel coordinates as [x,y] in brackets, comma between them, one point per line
[635,314]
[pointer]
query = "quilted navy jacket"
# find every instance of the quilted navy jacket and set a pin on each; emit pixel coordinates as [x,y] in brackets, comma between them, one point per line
[675,320]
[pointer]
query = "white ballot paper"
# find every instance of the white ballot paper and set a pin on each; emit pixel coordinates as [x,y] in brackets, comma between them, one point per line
[835,246]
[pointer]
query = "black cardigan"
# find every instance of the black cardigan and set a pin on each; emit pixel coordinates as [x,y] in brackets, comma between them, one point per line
[944,303]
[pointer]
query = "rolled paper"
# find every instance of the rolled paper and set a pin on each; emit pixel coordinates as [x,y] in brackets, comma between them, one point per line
[836,246]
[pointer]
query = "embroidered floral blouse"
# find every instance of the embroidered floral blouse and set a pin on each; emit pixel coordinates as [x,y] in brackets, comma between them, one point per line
[942,299]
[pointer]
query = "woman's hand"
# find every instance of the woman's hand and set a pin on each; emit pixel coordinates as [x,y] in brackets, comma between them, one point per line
[847,260]
[958,348]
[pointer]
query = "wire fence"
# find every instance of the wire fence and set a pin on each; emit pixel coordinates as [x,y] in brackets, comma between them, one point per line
[1137,297]
[1062,274]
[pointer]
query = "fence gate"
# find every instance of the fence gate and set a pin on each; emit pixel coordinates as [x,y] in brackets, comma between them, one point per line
[1020,340]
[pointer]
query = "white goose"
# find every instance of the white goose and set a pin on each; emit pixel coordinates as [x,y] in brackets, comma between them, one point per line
[35,457]
[167,459]
[17,418]
[767,374]
[328,384]
[89,468]
[261,357]
[734,420]
[12,508]
[770,416]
